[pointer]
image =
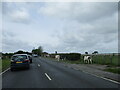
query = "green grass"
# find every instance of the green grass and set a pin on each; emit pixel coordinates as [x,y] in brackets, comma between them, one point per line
[97,59]
[105,60]
[113,70]
[0,65]
[5,64]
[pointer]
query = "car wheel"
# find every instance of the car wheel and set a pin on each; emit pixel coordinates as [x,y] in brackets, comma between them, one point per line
[28,67]
[30,61]
[12,69]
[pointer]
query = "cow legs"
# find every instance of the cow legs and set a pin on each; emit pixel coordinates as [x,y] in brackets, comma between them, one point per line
[90,61]
[86,61]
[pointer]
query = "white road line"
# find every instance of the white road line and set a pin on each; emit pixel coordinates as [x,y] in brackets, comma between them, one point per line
[102,77]
[110,80]
[38,65]
[48,76]
[4,71]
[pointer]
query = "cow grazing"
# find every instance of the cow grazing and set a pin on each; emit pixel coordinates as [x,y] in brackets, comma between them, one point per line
[87,59]
[57,57]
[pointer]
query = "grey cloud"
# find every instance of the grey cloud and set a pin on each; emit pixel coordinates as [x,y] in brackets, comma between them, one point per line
[94,11]
[82,12]
[7,34]
[89,37]
[85,27]
[18,15]
[11,44]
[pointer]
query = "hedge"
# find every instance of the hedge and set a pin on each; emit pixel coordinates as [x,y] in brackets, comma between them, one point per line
[68,56]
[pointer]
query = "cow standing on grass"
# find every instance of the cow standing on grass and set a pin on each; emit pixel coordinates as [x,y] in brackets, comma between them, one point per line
[57,57]
[87,59]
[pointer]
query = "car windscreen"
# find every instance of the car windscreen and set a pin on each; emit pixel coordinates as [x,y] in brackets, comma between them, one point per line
[19,57]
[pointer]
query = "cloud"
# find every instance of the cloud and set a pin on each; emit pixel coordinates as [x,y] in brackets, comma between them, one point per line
[20,16]
[15,45]
[62,27]
[11,44]
[16,13]
[80,11]
[87,26]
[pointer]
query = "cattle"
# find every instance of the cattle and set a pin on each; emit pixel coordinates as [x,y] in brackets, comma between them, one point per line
[46,55]
[57,57]
[87,59]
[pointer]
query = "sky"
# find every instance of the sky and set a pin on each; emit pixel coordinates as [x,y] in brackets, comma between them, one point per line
[60,26]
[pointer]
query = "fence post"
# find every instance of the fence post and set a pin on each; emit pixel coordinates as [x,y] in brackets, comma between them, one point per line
[111,59]
[104,59]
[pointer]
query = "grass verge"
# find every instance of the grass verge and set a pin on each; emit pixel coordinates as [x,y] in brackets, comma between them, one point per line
[5,64]
[113,70]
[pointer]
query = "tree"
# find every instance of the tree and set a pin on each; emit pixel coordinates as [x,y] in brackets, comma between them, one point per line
[95,52]
[19,52]
[38,51]
[86,52]
[55,52]
[34,51]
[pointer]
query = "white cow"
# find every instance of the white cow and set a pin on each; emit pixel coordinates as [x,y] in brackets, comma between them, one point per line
[87,59]
[57,57]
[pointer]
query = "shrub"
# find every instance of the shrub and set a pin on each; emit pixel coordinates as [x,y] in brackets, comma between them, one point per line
[73,56]
[68,56]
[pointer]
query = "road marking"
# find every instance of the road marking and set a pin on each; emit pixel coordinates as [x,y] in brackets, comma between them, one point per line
[38,65]
[110,80]
[48,76]
[4,71]
[102,77]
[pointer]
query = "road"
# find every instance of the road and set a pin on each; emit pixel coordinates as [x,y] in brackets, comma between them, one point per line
[44,73]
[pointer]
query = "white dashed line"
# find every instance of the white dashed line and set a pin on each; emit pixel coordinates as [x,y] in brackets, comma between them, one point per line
[38,65]
[48,76]
[4,71]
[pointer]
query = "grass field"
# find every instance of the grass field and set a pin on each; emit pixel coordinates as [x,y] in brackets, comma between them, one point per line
[113,70]
[105,59]
[5,63]
[111,60]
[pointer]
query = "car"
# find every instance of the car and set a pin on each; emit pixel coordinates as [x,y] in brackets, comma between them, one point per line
[19,61]
[30,58]
[35,55]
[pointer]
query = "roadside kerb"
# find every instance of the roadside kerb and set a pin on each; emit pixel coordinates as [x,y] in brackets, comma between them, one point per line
[4,71]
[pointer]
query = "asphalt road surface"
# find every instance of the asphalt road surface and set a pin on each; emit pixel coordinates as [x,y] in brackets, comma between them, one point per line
[44,73]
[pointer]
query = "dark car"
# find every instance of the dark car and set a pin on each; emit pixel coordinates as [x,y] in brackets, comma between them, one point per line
[35,55]
[30,58]
[19,61]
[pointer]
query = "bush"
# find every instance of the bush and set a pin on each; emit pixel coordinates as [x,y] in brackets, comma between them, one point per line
[73,56]
[68,56]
